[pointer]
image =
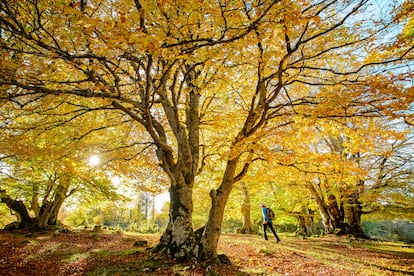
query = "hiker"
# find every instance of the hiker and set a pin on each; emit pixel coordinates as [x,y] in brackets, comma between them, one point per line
[268,215]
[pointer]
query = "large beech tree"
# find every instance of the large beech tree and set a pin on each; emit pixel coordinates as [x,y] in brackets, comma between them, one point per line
[173,67]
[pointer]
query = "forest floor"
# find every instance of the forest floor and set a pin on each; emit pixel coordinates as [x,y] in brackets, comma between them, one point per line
[103,253]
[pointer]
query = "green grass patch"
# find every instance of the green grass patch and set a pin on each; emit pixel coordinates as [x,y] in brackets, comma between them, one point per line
[111,253]
[389,247]
[130,268]
[76,257]
[137,267]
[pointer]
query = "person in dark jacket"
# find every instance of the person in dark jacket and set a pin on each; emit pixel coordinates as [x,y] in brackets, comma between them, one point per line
[267,223]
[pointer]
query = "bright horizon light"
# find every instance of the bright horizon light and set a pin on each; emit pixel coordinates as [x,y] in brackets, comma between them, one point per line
[94,160]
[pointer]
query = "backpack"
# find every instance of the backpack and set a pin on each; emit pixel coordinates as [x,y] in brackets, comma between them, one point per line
[270,214]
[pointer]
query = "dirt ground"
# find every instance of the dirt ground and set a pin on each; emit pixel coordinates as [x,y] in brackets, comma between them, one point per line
[100,253]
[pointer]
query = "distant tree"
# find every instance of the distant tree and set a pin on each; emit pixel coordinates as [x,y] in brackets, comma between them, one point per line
[247,227]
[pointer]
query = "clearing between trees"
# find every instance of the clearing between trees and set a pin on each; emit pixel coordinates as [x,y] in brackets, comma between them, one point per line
[114,253]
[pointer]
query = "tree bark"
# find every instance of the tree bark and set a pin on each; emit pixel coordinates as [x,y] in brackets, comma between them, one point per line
[352,216]
[219,197]
[323,210]
[17,206]
[335,212]
[35,200]
[178,238]
[305,223]
[245,210]
[50,209]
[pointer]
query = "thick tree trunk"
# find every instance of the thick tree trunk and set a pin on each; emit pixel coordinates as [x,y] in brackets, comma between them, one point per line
[352,219]
[18,207]
[35,200]
[178,238]
[351,210]
[323,210]
[302,229]
[336,212]
[245,210]
[50,209]
[219,197]
[305,223]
